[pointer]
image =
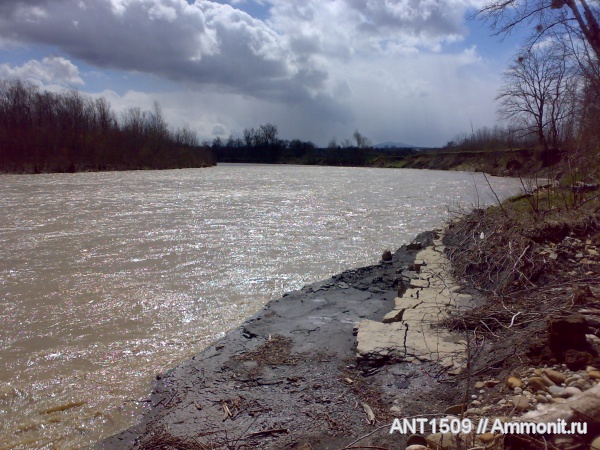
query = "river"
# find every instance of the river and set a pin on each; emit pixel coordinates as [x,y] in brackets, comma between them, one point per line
[107,279]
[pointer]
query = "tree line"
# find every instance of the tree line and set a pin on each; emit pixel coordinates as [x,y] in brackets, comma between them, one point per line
[42,131]
[550,97]
[262,145]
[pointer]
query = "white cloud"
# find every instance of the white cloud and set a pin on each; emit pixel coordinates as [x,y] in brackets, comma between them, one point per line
[316,68]
[202,44]
[51,70]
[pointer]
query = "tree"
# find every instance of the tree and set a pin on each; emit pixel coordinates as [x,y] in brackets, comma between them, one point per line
[268,134]
[361,141]
[538,97]
[554,17]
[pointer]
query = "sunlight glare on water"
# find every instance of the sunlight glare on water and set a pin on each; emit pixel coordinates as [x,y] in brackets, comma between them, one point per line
[107,279]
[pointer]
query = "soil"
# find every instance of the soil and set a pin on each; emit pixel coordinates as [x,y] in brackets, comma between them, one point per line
[288,378]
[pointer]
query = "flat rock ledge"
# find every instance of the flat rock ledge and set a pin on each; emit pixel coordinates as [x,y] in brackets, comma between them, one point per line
[410,332]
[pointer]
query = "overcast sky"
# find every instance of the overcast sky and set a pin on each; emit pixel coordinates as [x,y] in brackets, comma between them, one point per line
[416,71]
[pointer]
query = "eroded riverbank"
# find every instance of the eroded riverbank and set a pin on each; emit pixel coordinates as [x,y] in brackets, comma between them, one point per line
[288,377]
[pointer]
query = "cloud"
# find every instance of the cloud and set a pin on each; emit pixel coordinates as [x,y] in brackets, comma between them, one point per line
[342,28]
[316,68]
[205,43]
[51,70]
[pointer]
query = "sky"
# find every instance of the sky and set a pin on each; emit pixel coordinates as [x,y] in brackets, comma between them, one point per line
[412,71]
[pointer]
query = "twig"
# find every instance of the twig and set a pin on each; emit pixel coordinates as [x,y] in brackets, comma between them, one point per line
[265,432]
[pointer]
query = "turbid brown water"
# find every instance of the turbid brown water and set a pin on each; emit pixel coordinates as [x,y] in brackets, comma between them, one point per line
[109,278]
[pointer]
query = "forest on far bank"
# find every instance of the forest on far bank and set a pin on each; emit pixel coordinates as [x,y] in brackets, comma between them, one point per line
[43,131]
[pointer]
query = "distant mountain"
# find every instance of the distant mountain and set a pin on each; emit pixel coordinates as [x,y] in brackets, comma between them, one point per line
[393,145]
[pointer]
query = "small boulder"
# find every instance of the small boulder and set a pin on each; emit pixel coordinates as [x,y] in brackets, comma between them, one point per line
[386,256]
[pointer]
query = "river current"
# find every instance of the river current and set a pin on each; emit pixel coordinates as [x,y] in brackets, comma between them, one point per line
[107,279]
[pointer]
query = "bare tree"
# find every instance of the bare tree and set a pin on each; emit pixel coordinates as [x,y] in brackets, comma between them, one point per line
[268,134]
[361,141]
[546,16]
[538,96]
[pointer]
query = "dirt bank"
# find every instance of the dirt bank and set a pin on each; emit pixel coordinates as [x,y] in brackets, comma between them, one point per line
[515,162]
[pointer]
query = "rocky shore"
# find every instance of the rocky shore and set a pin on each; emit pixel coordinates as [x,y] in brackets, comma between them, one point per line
[292,376]
[332,365]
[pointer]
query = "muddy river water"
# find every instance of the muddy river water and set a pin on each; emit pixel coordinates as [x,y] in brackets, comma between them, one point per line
[107,279]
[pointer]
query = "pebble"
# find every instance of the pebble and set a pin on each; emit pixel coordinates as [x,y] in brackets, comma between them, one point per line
[541,398]
[571,390]
[397,410]
[474,412]
[518,390]
[555,376]
[558,392]
[595,444]
[479,385]
[521,403]
[547,381]
[582,384]
[537,384]
[514,382]
[476,403]
[594,374]
[491,383]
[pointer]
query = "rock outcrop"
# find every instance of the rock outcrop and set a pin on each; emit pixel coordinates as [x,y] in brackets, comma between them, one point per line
[410,332]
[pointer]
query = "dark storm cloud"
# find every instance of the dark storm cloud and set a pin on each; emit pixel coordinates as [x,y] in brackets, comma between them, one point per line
[204,43]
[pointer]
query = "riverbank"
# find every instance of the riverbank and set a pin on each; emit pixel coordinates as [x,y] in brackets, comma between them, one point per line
[522,162]
[294,376]
[289,376]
